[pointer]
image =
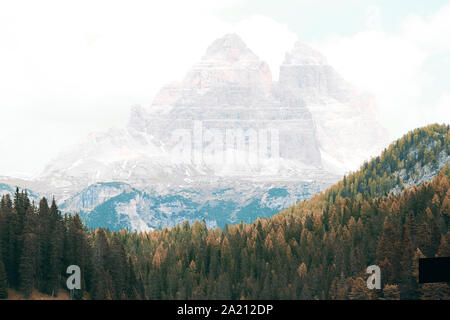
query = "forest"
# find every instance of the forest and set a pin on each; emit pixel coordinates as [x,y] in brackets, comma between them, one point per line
[318,249]
[304,256]
[37,244]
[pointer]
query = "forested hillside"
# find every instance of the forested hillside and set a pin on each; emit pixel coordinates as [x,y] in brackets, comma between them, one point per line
[318,249]
[410,160]
[292,256]
[37,244]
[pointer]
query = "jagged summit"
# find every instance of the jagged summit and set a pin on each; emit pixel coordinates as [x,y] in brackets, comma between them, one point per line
[303,54]
[229,48]
[307,71]
[227,62]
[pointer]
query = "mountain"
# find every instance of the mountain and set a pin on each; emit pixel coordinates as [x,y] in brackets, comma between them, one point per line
[313,109]
[226,125]
[6,189]
[118,206]
[414,159]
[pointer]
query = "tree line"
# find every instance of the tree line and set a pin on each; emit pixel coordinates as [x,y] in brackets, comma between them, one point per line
[304,254]
[37,244]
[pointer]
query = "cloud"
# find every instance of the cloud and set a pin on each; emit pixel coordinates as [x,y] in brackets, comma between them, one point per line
[393,67]
[440,111]
[373,21]
[69,68]
[268,38]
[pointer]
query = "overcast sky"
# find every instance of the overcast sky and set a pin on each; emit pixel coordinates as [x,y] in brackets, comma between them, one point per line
[68,68]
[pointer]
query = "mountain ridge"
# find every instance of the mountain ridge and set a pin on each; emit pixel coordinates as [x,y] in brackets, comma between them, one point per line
[413,159]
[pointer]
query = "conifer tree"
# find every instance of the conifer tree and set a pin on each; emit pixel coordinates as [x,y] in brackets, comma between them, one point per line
[30,253]
[9,239]
[55,250]
[3,281]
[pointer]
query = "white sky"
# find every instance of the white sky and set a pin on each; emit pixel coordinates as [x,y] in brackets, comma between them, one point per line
[68,68]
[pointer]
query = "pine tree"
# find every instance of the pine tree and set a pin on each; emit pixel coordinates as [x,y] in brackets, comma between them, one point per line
[131,282]
[101,282]
[408,284]
[117,263]
[444,247]
[9,239]
[43,270]
[3,281]
[55,250]
[30,253]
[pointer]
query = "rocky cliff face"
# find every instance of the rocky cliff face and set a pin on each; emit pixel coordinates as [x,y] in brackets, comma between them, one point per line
[119,206]
[346,122]
[231,88]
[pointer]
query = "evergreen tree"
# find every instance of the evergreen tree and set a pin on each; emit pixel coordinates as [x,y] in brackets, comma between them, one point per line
[30,254]
[3,281]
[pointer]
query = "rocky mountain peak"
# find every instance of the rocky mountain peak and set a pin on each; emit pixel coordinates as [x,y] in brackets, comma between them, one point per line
[303,54]
[227,62]
[229,48]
